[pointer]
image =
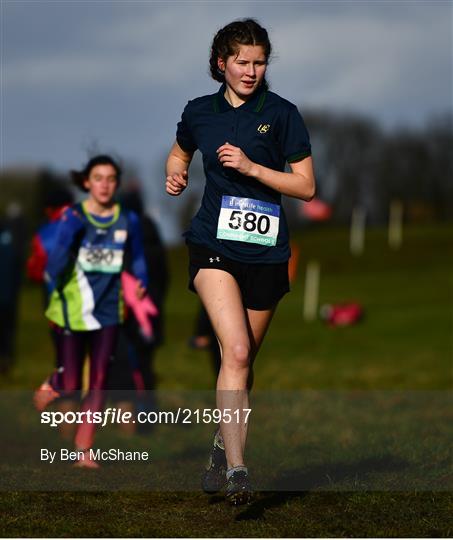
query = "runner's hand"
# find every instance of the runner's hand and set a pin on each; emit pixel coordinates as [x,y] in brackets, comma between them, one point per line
[233,157]
[176,183]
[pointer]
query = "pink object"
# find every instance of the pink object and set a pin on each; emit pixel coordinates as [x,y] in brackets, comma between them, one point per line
[143,308]
[316,210]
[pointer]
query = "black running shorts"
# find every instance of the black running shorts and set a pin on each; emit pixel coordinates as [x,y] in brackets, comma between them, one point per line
[261,285]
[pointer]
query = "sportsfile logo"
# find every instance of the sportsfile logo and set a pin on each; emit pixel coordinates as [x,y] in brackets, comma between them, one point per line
[112,415]
[263,128]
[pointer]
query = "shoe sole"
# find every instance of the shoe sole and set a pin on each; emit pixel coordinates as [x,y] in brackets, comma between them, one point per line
[240,498]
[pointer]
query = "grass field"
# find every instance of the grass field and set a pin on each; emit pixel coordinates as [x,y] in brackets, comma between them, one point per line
[403,350]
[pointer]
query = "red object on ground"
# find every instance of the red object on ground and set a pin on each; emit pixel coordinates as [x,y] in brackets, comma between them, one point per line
[342,314]
[316,210]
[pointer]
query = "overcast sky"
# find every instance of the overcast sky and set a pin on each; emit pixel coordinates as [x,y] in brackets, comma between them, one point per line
[117,74]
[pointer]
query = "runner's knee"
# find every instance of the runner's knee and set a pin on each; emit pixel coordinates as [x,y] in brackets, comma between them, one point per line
[238,356]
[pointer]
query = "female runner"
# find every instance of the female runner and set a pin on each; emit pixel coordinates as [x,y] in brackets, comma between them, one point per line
[238,241]
[86,306]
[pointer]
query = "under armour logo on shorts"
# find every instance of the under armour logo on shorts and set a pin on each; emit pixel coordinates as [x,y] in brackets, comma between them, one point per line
[212,259]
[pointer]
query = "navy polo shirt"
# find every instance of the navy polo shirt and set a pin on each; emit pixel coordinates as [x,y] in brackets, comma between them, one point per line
[271,132]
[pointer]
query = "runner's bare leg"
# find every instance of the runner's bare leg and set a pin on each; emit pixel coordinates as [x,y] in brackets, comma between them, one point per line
[239,332]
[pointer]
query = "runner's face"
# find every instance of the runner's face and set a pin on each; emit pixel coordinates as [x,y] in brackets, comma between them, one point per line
[102,183]
[245,71]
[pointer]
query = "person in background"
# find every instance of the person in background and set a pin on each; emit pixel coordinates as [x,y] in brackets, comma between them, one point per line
[204,338]
[43,240]
[12,240]
[84,275]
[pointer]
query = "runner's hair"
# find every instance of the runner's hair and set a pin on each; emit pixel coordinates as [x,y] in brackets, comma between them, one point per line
[229,38]
[79,177]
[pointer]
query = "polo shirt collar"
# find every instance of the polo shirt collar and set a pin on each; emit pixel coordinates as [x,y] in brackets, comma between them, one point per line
[254,104]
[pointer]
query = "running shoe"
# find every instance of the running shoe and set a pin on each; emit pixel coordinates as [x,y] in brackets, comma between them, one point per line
[44,395]
[214,477]
[86,461]
[238,489]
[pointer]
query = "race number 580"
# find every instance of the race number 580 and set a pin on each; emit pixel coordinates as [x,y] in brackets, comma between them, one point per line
[249,221]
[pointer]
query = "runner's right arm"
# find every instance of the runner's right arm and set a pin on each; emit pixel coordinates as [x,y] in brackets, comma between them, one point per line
[69,227]
[178,162]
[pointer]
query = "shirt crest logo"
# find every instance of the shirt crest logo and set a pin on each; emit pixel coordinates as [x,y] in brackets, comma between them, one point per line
[120,236]
[263,128]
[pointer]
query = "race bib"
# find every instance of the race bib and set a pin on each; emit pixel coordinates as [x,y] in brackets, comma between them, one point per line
[248,220]
[100,259]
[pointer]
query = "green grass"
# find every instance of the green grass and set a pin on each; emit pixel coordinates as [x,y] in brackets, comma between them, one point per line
[394,367]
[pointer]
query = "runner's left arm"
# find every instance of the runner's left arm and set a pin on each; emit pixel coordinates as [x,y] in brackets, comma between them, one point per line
[294,143]
[299,183]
